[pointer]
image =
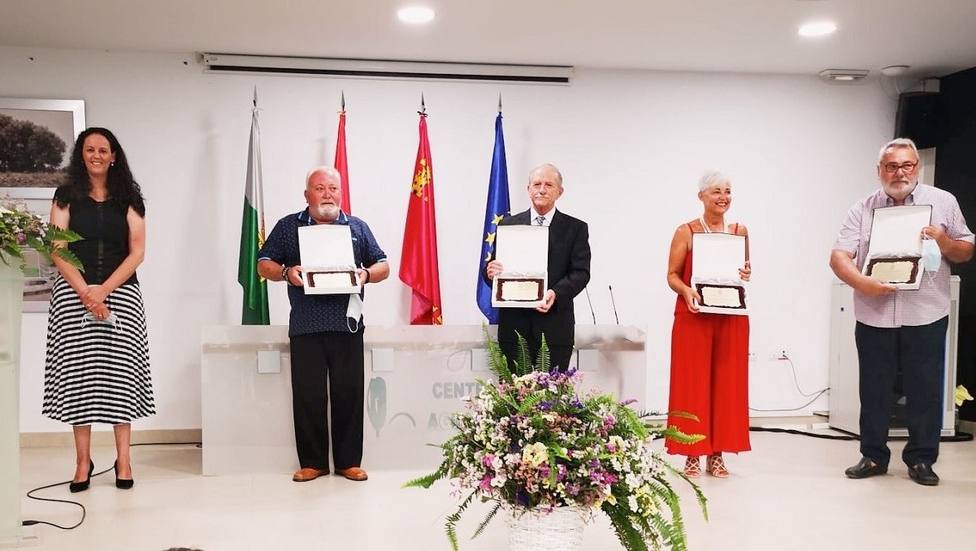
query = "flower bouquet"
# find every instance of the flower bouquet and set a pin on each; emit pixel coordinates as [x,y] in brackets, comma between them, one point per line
[20,229]
[532,444]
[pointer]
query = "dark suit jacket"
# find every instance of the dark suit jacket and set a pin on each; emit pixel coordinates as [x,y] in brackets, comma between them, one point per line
[569,272]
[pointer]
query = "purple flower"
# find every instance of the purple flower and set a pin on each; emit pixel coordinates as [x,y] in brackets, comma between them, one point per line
[21,238]
[485,485]
[545,406]
[522,498]
[561,474]
[628,402]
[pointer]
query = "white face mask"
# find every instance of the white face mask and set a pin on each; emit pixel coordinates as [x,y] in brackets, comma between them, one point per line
[931,255]
[353,312]
[112,320]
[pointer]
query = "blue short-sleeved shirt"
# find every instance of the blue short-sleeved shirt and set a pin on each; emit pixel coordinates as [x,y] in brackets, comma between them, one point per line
[317,313]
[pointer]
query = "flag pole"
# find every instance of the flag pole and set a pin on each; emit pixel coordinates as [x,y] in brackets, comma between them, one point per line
[423,106]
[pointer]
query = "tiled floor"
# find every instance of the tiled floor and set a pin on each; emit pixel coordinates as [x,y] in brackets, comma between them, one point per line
[789,493]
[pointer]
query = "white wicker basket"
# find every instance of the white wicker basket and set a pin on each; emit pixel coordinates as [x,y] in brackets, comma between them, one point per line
[560,530]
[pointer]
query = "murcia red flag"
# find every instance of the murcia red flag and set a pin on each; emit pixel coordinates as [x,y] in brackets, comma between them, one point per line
[340,160]
[418,263]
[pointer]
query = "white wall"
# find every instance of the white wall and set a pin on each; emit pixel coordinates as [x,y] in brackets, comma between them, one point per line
[631,145]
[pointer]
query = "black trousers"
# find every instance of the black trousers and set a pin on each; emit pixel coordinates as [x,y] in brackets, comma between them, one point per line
[328,367]
[559,355]
[919,352]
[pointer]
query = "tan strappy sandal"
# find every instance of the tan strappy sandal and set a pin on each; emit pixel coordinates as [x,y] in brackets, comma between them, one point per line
[693,467]
[716,467]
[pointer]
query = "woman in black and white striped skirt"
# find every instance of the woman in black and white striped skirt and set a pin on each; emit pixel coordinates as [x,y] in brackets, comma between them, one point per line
[97,366]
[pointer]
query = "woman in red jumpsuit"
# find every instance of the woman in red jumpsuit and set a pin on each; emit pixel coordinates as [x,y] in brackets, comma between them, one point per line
[709,352]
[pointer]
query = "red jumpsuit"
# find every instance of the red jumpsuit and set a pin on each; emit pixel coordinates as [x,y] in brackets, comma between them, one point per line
[709,378]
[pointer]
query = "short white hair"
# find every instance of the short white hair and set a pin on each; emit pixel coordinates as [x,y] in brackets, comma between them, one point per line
[897,143]
[712,178]
[330,173]
[550,166]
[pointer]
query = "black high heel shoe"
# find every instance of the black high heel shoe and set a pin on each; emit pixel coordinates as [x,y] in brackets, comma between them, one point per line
[122,483]
[76,487]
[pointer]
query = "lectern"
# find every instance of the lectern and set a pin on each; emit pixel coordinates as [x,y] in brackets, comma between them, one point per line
[11,301]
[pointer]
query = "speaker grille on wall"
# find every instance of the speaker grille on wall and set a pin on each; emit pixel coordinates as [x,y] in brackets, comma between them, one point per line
[919,117]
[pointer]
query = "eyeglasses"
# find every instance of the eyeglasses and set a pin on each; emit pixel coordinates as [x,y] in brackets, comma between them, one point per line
[892,168]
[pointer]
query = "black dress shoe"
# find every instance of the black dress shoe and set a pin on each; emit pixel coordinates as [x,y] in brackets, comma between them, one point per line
[865,468]
[923,474]
[76,487]
[122,483]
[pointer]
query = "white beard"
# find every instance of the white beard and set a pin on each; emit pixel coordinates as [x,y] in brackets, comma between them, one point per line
[327,212]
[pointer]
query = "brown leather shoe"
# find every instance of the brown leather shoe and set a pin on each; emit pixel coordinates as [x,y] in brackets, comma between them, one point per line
[308,473]
[353,473]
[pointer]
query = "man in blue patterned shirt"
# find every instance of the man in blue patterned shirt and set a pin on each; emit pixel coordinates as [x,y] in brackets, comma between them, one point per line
[325,333]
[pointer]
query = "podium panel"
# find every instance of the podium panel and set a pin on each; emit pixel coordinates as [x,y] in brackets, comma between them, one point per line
[415,379]
[11,304]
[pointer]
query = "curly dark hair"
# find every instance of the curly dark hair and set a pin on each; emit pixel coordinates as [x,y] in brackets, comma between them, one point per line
[122,187]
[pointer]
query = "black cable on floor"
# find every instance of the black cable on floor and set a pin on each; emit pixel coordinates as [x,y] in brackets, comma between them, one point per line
[84,512]
[958,437]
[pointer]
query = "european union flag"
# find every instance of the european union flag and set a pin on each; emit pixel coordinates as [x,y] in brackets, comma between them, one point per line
[498,207]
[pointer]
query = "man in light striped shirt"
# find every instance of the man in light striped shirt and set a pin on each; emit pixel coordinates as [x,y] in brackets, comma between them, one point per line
[901,329]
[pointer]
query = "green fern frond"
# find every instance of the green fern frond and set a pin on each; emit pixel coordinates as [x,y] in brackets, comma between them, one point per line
[530,402]
[524,363]
[484,523]
[497,361]
[675,434]
[427,480]
[450,526]
[544,359]
[630,538]
[683,415]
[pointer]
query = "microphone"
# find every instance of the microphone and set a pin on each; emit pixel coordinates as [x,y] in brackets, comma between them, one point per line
[590,303]
[613,304]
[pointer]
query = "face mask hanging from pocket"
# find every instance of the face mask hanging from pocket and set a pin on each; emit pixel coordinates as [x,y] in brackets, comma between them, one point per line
[931,255]
[353,312]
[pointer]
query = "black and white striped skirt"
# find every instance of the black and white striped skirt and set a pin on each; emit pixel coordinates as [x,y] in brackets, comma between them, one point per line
[97,372]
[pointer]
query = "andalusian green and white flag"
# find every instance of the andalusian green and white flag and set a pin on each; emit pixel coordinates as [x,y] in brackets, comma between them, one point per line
[253,233]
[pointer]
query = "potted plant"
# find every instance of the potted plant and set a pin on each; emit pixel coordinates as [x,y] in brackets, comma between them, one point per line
[536,448]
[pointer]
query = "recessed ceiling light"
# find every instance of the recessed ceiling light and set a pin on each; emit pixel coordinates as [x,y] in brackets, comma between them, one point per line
[817,28]
[843,75]
[415,15]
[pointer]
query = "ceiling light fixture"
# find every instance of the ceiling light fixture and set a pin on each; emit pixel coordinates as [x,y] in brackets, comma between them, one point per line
[415,15]
[817,28]
[895,70]
[843,75]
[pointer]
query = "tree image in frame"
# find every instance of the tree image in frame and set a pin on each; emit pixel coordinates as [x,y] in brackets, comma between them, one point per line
[30,154]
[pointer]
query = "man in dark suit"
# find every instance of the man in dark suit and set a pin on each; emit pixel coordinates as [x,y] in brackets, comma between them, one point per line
[569,272]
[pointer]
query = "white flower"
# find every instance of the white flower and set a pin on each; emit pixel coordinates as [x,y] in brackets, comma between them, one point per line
[535,454]
[632,503]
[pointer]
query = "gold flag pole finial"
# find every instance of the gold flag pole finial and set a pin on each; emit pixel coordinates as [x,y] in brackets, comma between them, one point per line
[423,106]
[342,101]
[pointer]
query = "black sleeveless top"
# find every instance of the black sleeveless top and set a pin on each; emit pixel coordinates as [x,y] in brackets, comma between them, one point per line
[105,230]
